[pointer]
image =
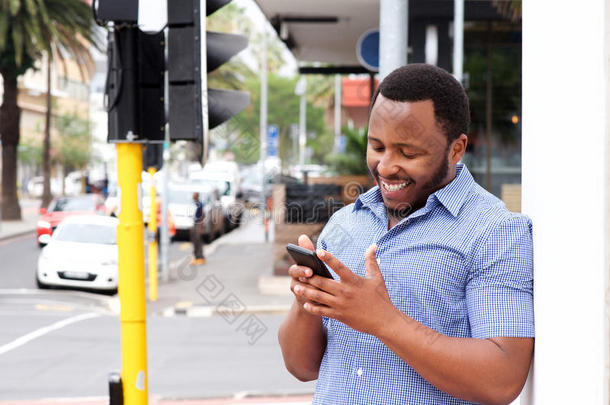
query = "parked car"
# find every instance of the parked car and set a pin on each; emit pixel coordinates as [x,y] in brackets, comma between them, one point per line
[82,253]
[63,207]
[182,209]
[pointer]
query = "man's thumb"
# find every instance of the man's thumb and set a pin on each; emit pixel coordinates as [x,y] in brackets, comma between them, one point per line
[370,261]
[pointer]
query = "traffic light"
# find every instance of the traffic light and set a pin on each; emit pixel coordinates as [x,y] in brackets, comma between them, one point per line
[192,53]
[135,85]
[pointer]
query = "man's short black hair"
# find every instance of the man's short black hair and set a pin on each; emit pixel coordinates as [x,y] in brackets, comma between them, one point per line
[419,82]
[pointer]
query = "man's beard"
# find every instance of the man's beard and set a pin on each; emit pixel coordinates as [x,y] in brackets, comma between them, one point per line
[435,183]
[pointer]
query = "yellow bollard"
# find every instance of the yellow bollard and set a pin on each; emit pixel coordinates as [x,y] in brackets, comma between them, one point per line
[132,290]
[152,242]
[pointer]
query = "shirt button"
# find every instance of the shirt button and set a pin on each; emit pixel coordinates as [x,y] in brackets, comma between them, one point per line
[359,372]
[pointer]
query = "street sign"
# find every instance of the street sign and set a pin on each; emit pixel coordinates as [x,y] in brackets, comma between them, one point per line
[367,50]
[273,140]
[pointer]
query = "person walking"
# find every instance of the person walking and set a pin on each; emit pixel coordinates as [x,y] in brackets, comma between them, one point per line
[196,231]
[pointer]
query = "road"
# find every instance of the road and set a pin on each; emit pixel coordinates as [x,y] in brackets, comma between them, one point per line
[63,344]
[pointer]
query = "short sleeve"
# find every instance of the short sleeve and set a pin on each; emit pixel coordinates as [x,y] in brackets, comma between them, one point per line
[499,293]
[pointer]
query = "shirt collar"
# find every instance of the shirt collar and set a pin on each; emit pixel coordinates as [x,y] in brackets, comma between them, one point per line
[452,196]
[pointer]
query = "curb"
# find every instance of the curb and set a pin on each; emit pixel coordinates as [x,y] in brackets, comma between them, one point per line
[204,311]
[16,235]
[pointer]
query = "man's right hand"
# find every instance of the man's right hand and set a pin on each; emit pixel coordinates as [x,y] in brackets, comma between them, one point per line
[300,274]
[301,335]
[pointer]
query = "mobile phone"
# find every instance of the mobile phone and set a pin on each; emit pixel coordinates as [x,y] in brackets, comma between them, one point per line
[305,257]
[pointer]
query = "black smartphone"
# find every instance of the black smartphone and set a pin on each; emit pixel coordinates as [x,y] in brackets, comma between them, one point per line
[305,257]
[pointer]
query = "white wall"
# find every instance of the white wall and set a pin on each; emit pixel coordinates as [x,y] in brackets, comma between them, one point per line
[565,128]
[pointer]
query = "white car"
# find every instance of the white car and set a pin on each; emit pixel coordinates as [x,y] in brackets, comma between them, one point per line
[82,253]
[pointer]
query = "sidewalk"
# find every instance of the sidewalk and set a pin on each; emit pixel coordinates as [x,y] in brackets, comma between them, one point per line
[27,225]
[236,277]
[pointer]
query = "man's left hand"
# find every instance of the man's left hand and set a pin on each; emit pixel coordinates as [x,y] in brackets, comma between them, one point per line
[363,303]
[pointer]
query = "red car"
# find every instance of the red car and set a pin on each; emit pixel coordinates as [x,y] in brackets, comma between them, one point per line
[63,207]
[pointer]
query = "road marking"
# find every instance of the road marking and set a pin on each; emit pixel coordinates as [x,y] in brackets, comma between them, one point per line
[59,308]
[20,341]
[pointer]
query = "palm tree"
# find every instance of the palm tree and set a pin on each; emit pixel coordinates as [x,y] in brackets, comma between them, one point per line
[71,39]
[29,28]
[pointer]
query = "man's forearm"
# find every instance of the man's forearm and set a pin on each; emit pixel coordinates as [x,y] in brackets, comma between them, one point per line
[477,370]
[303,341]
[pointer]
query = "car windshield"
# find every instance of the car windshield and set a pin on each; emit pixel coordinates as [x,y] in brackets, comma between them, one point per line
[86,233]
[72,204]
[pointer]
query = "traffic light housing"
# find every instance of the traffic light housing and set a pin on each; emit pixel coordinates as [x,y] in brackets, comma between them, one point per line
[135,85]
[192,53]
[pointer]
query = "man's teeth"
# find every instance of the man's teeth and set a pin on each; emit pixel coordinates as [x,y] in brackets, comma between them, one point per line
[394,187]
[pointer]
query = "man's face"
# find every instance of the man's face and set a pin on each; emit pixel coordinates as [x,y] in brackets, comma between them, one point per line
[408,154]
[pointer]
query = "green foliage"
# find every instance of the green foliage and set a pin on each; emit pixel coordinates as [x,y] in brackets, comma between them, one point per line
[242,136]
[353,160]
[30,152]
[73,145]
[30,27]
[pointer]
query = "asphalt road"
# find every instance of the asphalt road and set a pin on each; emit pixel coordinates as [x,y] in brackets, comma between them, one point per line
[63,344]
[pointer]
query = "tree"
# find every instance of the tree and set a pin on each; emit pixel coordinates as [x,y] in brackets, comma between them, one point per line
[353,160]
[243,138]
[73,143]
[28,29]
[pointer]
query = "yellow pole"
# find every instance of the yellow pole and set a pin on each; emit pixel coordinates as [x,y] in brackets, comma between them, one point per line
[132,291]
[152,242]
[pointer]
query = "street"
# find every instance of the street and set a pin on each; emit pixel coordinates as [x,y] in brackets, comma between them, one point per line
[63,343]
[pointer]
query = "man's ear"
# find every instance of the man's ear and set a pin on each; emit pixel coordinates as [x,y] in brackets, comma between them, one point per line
[458,148]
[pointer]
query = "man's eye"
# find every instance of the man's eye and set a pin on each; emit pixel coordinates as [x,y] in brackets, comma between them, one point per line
[409,155]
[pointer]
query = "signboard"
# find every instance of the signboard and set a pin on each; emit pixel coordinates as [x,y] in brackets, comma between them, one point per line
[367,50]
[273,140]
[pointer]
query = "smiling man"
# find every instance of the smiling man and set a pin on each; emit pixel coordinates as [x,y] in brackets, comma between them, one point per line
[431,300]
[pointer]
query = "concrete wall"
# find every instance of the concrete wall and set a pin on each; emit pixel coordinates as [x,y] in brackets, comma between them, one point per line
[565,192]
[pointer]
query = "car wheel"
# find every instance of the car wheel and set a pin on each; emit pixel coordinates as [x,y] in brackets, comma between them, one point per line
[41,285]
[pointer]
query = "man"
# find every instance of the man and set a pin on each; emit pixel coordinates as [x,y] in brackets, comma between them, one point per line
[196,231]
[431,301]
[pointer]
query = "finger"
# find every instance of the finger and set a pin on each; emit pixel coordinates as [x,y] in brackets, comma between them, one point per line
[328,285]
[313,294]
[296,271]
[320,310]
[305,242]
[344,273]
[370,262]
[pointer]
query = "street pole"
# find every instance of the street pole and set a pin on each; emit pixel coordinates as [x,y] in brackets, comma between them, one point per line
[132,294]
[303,123]
[337,112]
[164,194]
[263,133]
[152,238]
[393,35]
[458,39]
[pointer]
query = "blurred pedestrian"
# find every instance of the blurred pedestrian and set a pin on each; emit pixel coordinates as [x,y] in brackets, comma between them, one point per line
[196,231]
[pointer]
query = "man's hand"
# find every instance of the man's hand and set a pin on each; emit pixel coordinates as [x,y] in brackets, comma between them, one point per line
[300,274]
[363,303]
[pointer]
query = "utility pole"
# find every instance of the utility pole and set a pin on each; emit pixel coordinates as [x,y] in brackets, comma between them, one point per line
[337,113]
[152,238]
[164,194]
[301,90]
[458,39]
[393,35]
[263,133]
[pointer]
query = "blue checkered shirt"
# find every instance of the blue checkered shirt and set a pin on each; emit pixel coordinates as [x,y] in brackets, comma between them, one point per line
[461,265]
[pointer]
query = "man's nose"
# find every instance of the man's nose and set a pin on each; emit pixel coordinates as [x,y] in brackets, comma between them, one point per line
[387,166]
